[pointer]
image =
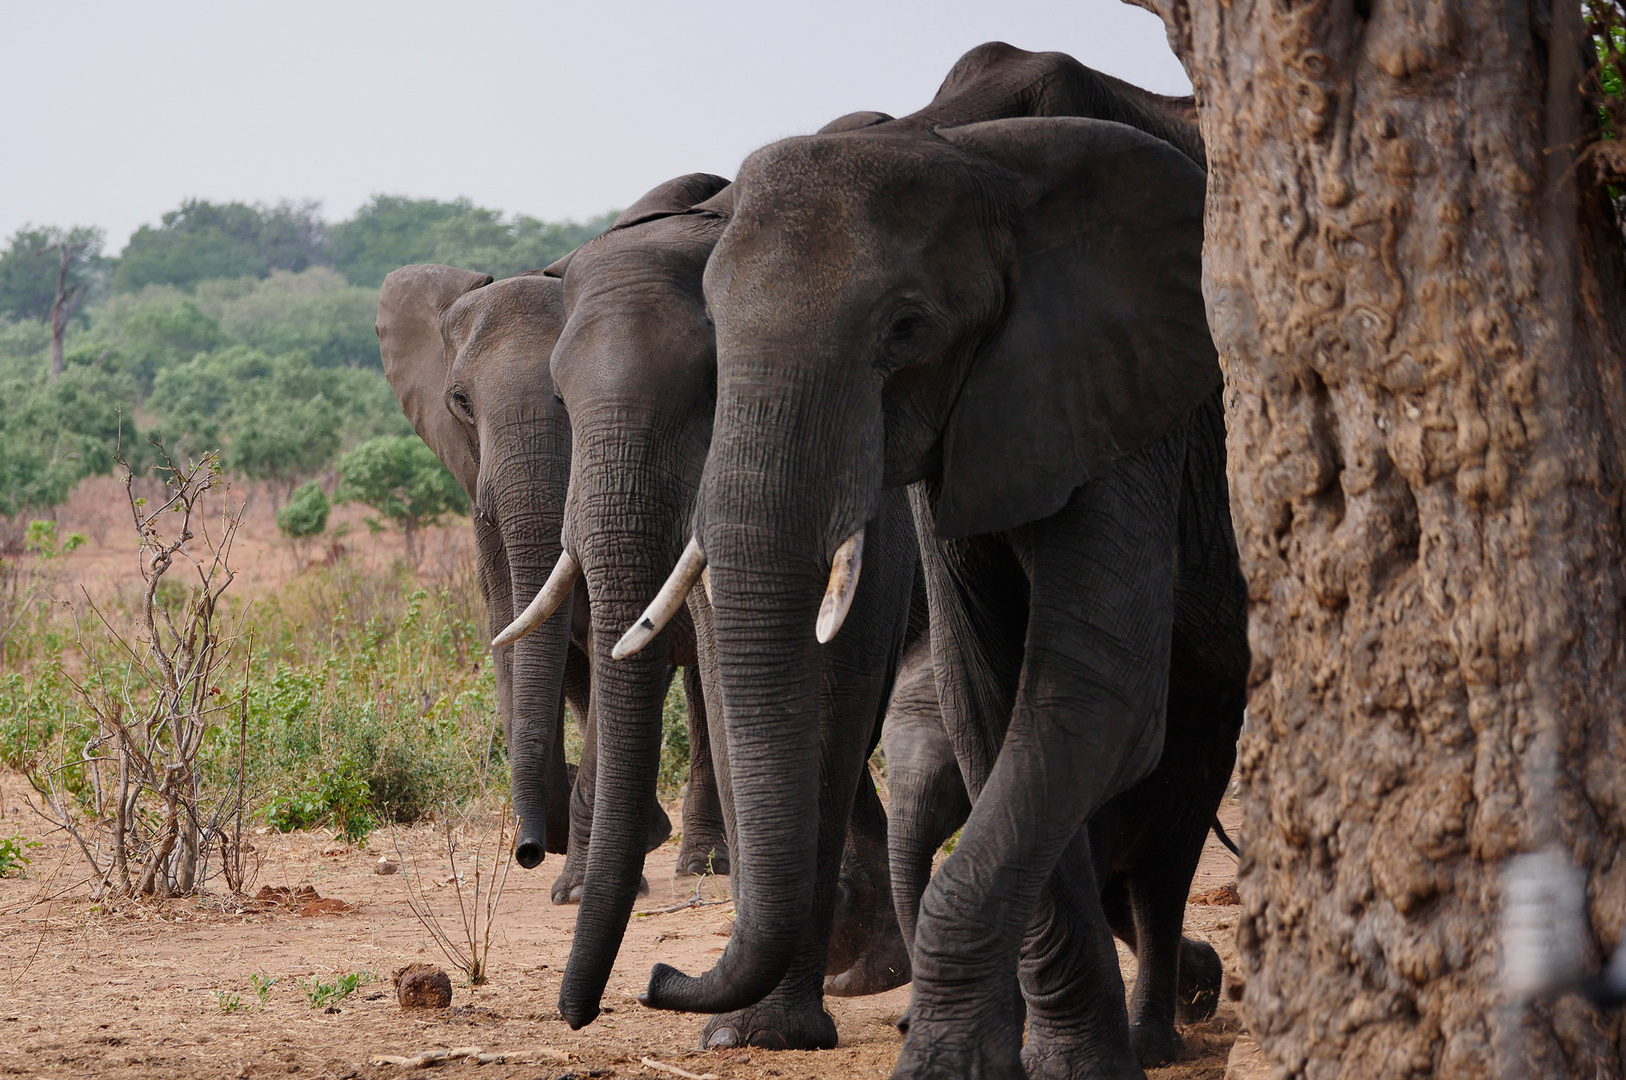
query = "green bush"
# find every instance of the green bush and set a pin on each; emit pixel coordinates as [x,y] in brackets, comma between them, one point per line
[338,797]
[14,858]
[306,513]
[401,478]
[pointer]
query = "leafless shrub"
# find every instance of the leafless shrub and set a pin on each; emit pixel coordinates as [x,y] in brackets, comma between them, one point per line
[133,795]
[477,884]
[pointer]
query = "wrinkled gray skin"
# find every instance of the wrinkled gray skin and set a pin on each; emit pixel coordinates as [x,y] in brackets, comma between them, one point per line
[454,339]
[1007,316]
[634,365]
[1141,842]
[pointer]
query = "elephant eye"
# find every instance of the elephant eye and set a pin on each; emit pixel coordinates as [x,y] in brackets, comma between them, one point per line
[903,338]
[904,329]
[460,405]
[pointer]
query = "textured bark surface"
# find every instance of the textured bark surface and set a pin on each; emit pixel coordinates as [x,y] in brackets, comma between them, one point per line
[1420,321]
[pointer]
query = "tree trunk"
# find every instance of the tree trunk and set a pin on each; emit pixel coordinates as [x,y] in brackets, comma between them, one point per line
[1422,324]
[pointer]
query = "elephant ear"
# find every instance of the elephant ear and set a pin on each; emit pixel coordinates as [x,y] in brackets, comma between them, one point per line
[855,121]
[1103,342]
[410,307]
[674,197]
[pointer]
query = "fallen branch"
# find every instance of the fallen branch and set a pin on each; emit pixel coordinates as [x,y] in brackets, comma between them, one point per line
[473,1054]
[661,1066]
[684,906]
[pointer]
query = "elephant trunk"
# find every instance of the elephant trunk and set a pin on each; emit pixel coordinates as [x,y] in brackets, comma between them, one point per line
[766,594]
[538,666]
[629,697]
[518,533]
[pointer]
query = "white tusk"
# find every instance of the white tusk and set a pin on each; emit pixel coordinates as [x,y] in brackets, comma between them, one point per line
[705,582]
[838,595]
[553,593]
[666,603]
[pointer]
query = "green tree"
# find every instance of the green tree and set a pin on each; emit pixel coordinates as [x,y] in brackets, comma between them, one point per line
[315,310]
[28,278]
[404,481]
[306,513]
[54,434]
[305,516]
[392,231]
[387,233]
[202,240]
[279,440]
[153,330]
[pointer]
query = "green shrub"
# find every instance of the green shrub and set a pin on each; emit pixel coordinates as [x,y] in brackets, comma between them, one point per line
[14,858]
[306,513]
[338,797]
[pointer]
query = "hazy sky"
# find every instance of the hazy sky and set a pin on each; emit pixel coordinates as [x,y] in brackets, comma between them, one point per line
[115,111]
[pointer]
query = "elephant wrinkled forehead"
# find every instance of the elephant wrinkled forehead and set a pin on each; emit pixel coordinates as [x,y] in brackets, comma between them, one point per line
[516,320]
[848,203]
[865,177]
[664,255]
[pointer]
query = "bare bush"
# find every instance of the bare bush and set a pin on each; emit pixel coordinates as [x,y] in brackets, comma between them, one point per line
[133,795]
[477,884]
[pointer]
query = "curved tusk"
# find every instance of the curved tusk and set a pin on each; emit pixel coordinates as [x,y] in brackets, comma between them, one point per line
[553,593]
[838,595]
[666,603]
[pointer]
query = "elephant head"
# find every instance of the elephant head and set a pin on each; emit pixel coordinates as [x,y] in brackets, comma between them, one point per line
[1001,308]
[468,358]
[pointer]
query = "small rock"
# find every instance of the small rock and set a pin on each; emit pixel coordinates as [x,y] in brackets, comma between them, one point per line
[422,986]
[385,866]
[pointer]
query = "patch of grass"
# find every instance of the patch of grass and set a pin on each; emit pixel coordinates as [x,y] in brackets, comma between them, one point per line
[14,858]
[261,985]
[371,697]
[322,994]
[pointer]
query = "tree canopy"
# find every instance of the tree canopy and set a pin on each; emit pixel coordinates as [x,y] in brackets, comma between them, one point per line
[242,328]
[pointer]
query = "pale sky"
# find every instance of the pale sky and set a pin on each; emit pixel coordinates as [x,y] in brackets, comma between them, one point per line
[113,112]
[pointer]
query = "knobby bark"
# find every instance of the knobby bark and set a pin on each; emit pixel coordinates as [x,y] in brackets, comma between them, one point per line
[1422,323]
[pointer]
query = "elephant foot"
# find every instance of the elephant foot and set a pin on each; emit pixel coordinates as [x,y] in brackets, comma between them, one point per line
[1057,1059]
[1155,1043]
[955,1056]
[1075,1046]
[883,967]
[772,1026]
[1197,995]
[567,888]
[703,855]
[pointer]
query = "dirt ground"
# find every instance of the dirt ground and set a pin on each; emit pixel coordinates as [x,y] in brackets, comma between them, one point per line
[146,990]
[99,508]
[136,990]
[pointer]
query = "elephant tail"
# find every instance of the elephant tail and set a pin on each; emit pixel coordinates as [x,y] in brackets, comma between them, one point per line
[1222,837]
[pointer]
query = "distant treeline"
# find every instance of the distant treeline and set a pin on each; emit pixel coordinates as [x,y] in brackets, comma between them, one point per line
[241,328]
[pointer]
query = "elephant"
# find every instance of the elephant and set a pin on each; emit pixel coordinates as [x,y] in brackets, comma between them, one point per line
[927,803]
[467,357]
[1005,318]
[633,367]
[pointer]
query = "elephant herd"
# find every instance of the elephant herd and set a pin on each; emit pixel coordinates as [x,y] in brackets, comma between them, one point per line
[917,419]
